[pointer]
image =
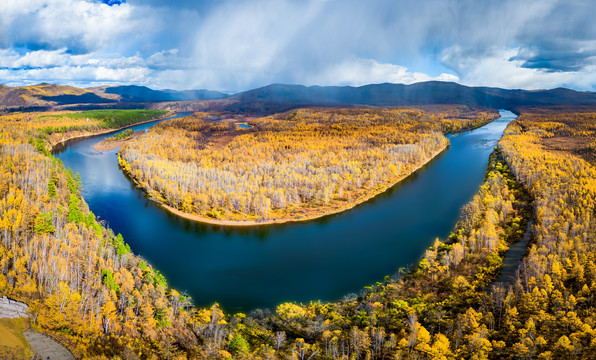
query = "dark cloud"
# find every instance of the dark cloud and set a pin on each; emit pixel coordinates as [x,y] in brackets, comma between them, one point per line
[558,59]
[564,39]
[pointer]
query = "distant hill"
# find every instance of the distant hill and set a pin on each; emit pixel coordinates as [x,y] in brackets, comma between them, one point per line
[432,92]
[142,94]
[46,95]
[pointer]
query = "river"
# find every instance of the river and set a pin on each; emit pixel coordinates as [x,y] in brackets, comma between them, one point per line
[324,259]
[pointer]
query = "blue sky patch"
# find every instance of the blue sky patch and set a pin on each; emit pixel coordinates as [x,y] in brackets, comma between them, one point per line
[113,2]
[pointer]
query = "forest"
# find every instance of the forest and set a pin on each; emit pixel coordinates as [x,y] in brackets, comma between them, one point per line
[87,289]
[95,119]
[291,166]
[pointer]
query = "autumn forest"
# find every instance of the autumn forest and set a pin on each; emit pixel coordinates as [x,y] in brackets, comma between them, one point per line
[88,290]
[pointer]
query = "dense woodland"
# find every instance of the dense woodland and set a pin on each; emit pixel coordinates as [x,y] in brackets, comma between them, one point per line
[294,165]
[80,280]
[95,119]
[86,287]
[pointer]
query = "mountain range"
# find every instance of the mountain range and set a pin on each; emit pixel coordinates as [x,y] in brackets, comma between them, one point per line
[432,92]
[281,96]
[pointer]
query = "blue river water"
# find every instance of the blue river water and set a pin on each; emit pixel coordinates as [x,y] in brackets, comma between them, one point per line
[325,259]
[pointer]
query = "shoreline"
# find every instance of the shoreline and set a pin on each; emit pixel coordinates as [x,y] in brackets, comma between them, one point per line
[247,223]
[102,132]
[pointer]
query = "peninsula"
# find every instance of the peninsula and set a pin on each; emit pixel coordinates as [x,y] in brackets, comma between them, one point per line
[294,166]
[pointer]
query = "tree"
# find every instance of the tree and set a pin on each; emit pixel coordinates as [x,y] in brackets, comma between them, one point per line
[43,224]
[52,187]
[74,212]
[239,347]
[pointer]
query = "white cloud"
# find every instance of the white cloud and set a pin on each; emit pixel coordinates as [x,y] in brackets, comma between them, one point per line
[499,70]
[368,71]
[8,57]
[78,76]
[84,42]
[78,25]
[168,60]
[54,58]
[33,59]
[59,66]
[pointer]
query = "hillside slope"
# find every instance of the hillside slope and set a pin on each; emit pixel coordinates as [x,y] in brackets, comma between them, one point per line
[143,94]
[45,95]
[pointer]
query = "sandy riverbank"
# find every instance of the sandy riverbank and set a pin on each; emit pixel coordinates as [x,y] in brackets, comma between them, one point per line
[107,145]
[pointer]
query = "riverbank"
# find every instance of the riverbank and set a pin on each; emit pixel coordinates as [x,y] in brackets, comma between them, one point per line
[248,223]
[76,135]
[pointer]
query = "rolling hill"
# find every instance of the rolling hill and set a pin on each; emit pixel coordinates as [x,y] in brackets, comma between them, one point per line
[47,95]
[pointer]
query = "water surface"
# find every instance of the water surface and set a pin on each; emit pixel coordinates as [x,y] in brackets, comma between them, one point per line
[325,259]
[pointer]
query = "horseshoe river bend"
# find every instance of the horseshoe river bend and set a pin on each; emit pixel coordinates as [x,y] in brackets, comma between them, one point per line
[324,259]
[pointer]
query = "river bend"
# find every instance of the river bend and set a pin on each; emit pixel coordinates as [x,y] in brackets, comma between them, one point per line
[326,259]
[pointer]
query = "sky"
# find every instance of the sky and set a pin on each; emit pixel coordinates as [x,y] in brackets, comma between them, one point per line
[235,45]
